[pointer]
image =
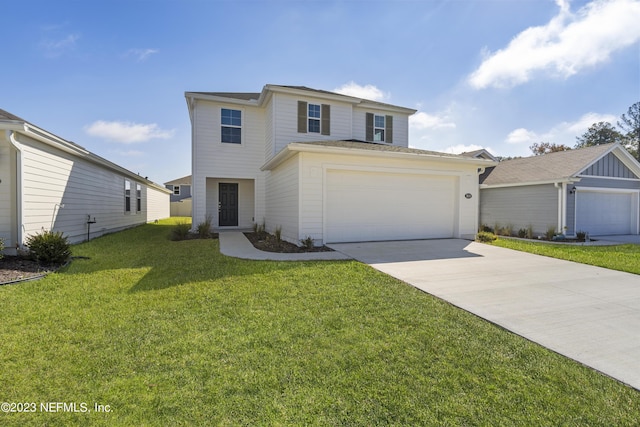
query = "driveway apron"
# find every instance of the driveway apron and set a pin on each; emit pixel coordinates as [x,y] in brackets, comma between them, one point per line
[587,313]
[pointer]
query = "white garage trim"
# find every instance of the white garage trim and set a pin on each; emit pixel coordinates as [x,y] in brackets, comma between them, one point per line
[634,217]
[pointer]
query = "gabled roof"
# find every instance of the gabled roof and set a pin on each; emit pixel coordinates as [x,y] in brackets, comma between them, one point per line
[562,166]
[480,154]
[185,180]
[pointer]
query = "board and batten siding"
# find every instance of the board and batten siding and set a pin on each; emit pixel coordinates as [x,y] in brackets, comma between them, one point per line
[609,166]
[61,191]
[7,192]
[215,159]
[283,197]
[285,120]
[520,207]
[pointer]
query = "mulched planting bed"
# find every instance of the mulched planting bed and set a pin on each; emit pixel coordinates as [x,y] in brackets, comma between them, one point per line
[13,268]
[268,242]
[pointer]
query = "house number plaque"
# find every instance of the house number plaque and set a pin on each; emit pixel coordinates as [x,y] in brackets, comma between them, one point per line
[468,196]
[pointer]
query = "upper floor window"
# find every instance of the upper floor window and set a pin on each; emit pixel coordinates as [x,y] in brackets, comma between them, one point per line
[314,118]
[127,195]
[176,190]
[378,128]
[231,121]
[138,198]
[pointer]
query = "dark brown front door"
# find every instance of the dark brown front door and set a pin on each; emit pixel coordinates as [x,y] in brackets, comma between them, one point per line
[228,204]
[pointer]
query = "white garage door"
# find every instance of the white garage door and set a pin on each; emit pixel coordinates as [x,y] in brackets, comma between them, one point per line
[601,213]
[367,206]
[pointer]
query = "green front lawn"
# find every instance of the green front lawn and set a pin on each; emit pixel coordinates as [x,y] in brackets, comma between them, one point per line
[620,257]
[173,333]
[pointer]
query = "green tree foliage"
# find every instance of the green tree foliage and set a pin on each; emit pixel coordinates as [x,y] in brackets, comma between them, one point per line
[600,133]
[630,125]
[547,147]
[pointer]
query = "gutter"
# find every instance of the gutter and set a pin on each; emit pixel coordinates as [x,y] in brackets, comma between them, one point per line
[19,188]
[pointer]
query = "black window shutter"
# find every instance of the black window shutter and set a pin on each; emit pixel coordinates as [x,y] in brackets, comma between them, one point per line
[302,117]
[369,127]
[388,131]
[326,120]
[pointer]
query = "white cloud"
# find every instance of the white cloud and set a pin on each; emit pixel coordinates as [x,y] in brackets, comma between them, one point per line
[369,92]
[141,54]
[54,48]
[422,121]
[127,132]
[561,133]
[569,43]
[522,136]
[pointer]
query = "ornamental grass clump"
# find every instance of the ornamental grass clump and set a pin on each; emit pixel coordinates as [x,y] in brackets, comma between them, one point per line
[180,231]
[49,247]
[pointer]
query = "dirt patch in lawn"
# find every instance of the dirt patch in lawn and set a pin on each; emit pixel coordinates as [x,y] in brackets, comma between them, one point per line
[14,268]
[267,242]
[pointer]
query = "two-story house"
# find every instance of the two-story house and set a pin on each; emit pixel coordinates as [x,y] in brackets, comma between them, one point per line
[318,164]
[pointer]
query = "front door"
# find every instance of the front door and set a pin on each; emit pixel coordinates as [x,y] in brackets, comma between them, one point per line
[227,204]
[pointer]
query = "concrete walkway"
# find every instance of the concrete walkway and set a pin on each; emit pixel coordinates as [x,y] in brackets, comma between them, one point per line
[587,313]
[235,244]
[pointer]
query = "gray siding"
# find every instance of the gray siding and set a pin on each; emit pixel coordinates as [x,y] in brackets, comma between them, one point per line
[609,166]
[520,207]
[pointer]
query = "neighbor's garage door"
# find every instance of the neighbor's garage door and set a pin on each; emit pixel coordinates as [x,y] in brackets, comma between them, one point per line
[367,206]
[601,213]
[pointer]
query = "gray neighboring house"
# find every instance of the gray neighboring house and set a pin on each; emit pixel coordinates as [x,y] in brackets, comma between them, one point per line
[594,189]
[181,201]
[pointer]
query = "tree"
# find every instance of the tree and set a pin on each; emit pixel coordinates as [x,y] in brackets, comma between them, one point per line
[546,147]
[600,133]
[630,124]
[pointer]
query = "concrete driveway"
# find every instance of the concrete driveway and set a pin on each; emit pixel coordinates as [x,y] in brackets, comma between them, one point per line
[587,313]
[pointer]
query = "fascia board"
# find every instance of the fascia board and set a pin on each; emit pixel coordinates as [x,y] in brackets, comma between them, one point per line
[220,99]
[569,180]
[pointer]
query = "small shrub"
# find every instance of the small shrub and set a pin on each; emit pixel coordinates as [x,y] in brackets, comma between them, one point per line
[1,247]
[260,230]
[278,234]
[204,228]
[307,243]
[507,230]
[522,233]
[529,232]
[180,231]
[486,228]
[551,231]
[581,235]
[49,247]
[485,236]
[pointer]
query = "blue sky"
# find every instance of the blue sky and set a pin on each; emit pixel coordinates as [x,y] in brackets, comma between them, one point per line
[496,74]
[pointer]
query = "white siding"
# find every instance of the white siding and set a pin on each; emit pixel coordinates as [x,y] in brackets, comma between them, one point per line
[313,198]
[400,125]
[246,202]
[7,193]
[286,120]
[158,206]
[52,178]
[283,200]
[214,159]
[520,207]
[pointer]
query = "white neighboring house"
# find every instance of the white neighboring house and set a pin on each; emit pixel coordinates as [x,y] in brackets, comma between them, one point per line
[323,165]
[49,183]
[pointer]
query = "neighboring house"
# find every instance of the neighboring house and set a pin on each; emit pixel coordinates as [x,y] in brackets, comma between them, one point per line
[180,196]
[49,183]
[480,154]
[325,166]
[592,189]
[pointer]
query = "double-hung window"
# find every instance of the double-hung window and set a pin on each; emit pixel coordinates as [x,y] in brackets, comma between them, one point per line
[231,121]
[127,195]
[378,128]
[138,198]
[176,190]
[314,118]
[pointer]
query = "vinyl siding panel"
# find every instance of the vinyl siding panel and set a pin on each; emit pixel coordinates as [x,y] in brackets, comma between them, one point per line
[283,194]
[246,201]
[52,178]
[214,159]
[609,166]
[285,120]
[520,207]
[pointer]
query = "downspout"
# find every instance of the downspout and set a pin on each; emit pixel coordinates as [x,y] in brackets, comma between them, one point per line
[561,200]
[19,190]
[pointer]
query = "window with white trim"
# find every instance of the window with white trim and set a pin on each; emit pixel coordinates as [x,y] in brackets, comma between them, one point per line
[378,128]
[231,126]
[138,198]
[314,118]
[176,190]
[127,195]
